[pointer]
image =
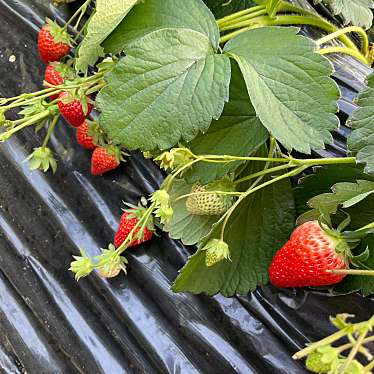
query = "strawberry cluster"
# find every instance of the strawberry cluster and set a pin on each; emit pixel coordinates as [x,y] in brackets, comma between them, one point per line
[54,44]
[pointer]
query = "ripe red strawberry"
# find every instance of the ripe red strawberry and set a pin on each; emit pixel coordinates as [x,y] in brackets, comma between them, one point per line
[128,221]
[74,109]
[105,159]
[53,42]
[306,257]
[56,73]
[83,136]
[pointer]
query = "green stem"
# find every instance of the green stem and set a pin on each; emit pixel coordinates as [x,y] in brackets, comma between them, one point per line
[346,51]
[6,135]
[129,237]
[227,215]
[369,226]
[263,172]
[291,20]
[242,21]
[354,350]
[50,130]
[239,158]
[80,10]
[185,167]
[352,272]
[326,341]
[369,367]
[350,345]
[346,30]
[244,12]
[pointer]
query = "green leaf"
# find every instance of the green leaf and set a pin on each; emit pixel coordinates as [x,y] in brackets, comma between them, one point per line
[108,15]
[222,8]
[187,227]
[169,86]
[321,181]
[151,15]
[343,194]
[290,88]
[316,188]
[256,230]
[238,132]
[355,283]
[361,140]
[356,12]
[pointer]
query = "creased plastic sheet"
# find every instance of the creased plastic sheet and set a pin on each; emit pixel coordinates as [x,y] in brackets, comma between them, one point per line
[49,323]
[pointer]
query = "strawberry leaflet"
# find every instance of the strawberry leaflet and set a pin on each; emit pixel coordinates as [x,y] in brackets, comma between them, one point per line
[170,85]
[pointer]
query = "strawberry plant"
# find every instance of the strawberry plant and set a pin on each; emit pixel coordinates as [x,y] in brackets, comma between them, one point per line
[232,101]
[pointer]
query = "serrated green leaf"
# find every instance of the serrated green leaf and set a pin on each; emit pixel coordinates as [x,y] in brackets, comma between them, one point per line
[238,132]
[361,140]
[108,15]
[344,193]
[255,231]
[291,89]
[169,86]
[356,12]
[185,226]
[153,15]
[316,190]
[222,8]
[355,283]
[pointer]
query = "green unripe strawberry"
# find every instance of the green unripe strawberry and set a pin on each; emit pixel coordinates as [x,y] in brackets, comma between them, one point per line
[315,364]
[202,203]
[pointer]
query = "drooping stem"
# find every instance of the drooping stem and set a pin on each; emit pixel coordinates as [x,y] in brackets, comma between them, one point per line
[242,21]
[280,20]
[346,30]
[227,215]
[346,51]
[326,341]
[81,10]
[50,130]
[354,350]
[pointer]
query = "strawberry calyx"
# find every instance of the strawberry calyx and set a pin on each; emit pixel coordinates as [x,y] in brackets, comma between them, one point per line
[138,212]
[58,33]
[69,96]
[66,71]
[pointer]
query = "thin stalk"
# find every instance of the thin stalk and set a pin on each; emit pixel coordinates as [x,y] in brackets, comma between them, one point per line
[244,158]
[346,51]
[129,237]
[31,121]
[80,10]
[354,350]
[350,345]
[369,367]
[326,341]
[50,130]
[291,20]
[352,272]
[252,190]
[242,21]
[263,172]
[239,14]
[346,30]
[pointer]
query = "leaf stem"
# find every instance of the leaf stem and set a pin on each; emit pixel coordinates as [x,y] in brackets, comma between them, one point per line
[50,130]
[326,341]
[254,189]
[352,272]
[346,30]
[80,10]
[242,21]
[239,14]
[344,50]
[209,192]
[263,172]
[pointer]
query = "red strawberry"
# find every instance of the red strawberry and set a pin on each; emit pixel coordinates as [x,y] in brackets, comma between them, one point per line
[105,159]
[306,257]
[128,221]
[55,74]
[83,136]
[53,42]
[74,109]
